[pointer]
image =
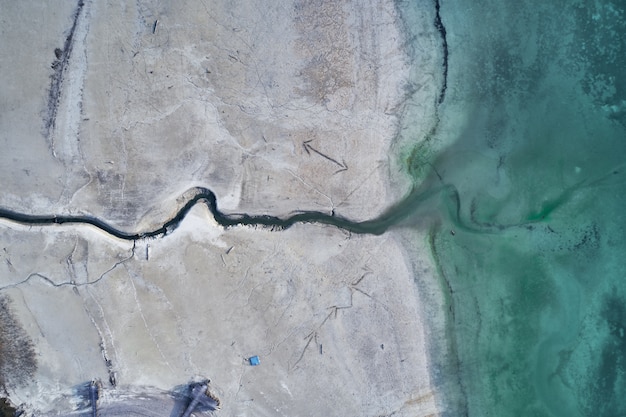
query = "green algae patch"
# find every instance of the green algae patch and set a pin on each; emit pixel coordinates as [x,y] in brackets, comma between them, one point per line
[417,160]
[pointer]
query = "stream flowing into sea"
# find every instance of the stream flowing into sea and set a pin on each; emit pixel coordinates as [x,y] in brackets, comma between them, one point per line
[520,183]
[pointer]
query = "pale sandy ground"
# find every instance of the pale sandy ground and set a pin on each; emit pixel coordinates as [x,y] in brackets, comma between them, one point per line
[275,106]
[334,318]
[219,93]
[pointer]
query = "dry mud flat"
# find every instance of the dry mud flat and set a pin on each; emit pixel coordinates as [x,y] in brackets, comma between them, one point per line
[116,110]
[334,318]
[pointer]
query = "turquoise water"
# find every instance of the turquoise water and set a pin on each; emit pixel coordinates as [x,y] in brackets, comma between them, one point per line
[531,239]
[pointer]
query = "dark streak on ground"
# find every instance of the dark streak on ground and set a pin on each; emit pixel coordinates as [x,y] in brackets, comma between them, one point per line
[59,65]
[442,31]
[307,146]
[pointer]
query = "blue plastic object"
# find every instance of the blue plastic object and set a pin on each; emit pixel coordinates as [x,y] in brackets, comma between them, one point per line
[254,360]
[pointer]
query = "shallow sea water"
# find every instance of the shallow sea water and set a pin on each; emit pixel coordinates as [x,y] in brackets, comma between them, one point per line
[531,236]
